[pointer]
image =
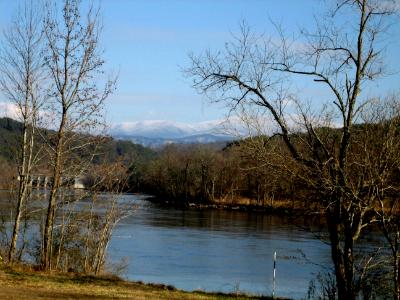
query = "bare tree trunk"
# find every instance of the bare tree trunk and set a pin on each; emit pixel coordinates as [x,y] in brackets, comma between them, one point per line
[88,234]
[22,74]
[337,257]
[23,182]
[102,245]
[101,248]
[24,174]
[48,229]
[62,235]
[74,62]
[396,266]
[24,238]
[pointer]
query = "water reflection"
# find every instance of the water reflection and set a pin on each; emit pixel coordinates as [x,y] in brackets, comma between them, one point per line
[217,250]
[212,250]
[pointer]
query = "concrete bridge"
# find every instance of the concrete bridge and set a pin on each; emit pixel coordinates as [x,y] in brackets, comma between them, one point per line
[41,181]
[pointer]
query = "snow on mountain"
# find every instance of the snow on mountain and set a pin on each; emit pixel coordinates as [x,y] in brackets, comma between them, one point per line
[166,129]
[155,133]
[152,129]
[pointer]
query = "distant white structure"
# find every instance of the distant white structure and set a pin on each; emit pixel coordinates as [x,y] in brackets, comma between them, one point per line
[78,183]
[42,181]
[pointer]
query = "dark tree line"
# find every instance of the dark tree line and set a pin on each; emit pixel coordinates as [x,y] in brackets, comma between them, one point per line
[207,174]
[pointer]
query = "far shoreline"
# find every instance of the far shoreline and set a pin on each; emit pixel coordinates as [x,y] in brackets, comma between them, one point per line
[281,209]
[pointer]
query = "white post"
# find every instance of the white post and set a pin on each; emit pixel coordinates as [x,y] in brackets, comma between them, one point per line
[273,277]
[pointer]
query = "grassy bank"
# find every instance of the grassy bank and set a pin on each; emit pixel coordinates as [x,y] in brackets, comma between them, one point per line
[24,284]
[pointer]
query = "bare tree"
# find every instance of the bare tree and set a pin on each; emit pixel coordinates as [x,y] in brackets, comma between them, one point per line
[252,71]
[85,227]
[74,62]
[390,224]
[21,67]
[113,180]
[386,138]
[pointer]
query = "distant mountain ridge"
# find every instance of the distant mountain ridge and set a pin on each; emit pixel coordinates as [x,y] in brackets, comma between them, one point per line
[153,134]
[156,133]
[192,139]
[112,149]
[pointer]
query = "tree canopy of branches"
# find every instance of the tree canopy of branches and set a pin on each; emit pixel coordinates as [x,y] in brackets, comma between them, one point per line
[343,57]
[22,81]
[74,62]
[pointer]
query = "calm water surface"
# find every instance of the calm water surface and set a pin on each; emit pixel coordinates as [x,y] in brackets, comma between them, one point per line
[216,250]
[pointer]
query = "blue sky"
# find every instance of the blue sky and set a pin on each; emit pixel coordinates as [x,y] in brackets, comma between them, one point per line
[153,40]
[147,42]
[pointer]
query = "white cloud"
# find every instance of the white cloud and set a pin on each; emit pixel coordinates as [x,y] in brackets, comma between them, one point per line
[9,110]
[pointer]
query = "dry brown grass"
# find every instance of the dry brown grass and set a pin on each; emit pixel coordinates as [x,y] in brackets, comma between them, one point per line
[23,284]
[266,203]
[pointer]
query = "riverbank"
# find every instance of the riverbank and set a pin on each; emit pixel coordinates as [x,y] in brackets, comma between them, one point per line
[24,284]
[278,207]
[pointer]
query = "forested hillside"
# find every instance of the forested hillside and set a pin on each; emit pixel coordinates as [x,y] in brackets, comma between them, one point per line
[10,132]
[183,174]
[255,171]
[108,149]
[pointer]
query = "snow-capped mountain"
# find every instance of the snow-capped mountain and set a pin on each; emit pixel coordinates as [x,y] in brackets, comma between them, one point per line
[155,133]
[152,129]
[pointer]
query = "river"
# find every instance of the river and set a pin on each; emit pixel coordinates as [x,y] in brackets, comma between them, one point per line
[217,250]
